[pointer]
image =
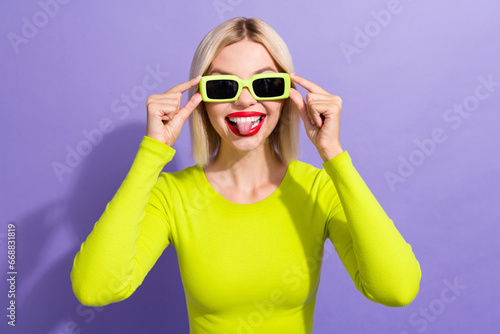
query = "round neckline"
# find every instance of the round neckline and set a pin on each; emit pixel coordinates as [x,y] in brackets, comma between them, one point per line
[224,203]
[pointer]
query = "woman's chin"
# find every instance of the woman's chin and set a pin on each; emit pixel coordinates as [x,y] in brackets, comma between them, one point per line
[247,144]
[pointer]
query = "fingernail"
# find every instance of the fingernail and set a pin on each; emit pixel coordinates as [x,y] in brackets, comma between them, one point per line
[312,122]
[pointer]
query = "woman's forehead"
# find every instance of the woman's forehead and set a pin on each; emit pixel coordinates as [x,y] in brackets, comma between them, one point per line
[243,58]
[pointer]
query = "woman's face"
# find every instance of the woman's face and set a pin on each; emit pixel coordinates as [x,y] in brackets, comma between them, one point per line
[244,59]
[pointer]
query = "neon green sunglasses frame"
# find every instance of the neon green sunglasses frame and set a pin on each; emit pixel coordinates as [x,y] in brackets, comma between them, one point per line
[245,83]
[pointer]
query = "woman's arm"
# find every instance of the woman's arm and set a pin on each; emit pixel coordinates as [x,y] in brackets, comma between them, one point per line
[134,229]
[130,235]
[379,261]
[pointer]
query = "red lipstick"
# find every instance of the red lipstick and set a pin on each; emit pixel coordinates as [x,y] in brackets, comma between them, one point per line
[245,114]
[234,128]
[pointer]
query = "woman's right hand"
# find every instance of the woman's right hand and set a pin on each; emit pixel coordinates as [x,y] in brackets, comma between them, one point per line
[165,118]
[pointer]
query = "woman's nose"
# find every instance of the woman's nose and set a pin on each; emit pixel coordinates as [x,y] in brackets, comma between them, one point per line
[245,99]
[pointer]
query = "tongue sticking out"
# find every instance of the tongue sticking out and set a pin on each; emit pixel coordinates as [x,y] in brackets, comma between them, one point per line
[244,127]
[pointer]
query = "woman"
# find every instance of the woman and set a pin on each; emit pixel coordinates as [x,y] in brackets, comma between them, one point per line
[248,221]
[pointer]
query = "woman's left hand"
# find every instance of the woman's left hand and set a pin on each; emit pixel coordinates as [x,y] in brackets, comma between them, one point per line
[321,117]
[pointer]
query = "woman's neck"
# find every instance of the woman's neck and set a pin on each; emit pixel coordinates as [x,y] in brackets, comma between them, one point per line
[247,170]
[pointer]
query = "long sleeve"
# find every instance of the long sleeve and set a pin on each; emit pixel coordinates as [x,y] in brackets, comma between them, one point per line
[379,261]
[129,236]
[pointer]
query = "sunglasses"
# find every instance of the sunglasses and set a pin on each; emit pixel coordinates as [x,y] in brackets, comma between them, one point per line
[227,88]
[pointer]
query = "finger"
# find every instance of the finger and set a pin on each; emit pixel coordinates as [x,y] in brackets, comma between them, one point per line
[310,86]
[321,109]
[296,97]
[164,110]
[193,102]
[181,88]
[314,115]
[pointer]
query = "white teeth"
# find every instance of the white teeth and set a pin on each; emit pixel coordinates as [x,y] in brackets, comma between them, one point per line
[256,123]
[244,119]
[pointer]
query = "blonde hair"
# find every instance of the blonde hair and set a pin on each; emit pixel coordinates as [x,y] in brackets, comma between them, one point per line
[205,141]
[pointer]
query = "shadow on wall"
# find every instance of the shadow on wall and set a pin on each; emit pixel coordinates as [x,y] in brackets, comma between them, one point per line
[51,236]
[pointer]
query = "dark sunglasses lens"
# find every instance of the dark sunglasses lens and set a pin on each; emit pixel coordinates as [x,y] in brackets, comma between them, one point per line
[221,89]
[269,87]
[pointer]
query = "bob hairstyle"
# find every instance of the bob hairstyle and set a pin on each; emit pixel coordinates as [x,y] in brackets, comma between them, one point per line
[205,141]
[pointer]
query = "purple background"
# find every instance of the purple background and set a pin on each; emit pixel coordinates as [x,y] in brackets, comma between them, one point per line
[69,75]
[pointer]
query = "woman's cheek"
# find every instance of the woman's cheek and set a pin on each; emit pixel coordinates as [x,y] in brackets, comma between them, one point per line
[216,112]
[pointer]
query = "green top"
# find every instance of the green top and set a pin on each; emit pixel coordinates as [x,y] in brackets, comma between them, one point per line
[244,266]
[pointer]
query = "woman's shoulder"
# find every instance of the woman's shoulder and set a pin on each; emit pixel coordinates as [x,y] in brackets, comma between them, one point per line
[304,168]
[188,174]
[311,181]
[181,183]
[306,172]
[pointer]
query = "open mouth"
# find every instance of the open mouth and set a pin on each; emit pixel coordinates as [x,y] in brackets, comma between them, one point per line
[245,126]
